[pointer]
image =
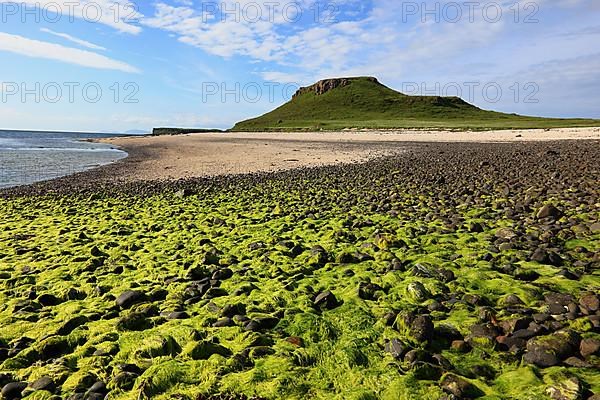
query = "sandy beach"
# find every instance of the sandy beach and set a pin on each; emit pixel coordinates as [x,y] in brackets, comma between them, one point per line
[210,154]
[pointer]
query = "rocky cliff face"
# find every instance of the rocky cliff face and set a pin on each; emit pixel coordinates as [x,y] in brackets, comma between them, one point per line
[326,85]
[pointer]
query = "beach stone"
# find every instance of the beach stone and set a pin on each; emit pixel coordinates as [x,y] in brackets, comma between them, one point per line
[589,347]
[460,346]
[549,211]
[368,291]
[318,256]
[70,325]
[576,363]
[396,348]
[215,292]
[134,321]
[230,310]
[48,300]
[513,300]
[422,328]
[205,349]
[590,303]
[13,390]
[44,383]
[177,315]
[222,274]
[54,347]
[425,371]
[98,387]
[124,380]
[559,302]
[483,335]
[197,273]
[548,351]
[130,297]
[223,323]
[515,324]
[460,387]
[326,301]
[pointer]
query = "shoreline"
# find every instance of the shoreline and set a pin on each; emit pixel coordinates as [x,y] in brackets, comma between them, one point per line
[232,153]
[205,155]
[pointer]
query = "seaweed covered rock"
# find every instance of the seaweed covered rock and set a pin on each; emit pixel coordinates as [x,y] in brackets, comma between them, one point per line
[550,350]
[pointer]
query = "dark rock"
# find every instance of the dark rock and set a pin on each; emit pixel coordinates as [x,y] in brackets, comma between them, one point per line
[260,352]
[422,328]
[576,363]
[418,291]
[98,387]
[54,347]
[44,383]
[48,300]
[205,349]
[368,291]
[223,322]
[326,301]
[222,274]
[548,351]
[13,390]
[483,335]
[590,303]
[512,344]
[513,300]
[134,321]
[129,298]
[425,371]
[460,387]
[231,310]
[178,315]
[549,211]
[215,292]
[261,324]
[460,346]
[589,347]
[396,348]
[70,325]
[124,380]
[515,324]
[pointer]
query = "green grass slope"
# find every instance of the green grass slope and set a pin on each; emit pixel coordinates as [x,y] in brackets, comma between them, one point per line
[365,103]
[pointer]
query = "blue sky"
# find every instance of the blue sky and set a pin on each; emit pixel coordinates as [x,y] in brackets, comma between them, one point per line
[111,65]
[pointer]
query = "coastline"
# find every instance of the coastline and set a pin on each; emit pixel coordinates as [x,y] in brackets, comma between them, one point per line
[160,160]
[216,154]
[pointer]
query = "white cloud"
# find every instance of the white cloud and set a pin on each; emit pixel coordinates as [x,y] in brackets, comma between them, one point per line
[38,49]
[121,15]
[73,39]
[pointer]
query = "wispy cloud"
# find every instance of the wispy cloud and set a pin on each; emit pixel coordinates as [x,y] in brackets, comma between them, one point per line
[73,39]
[121,15]
[39,49]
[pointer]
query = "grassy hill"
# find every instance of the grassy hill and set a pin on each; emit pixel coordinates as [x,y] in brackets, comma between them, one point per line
[365,103]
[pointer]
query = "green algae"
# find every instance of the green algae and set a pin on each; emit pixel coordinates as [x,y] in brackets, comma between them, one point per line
[86,252]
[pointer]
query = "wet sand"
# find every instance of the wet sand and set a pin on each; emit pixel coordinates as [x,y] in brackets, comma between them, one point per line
[212,154]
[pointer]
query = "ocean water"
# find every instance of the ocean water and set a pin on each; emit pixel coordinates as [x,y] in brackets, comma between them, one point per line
[27,157]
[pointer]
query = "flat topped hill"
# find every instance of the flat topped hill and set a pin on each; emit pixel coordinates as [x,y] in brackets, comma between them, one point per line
[363,102]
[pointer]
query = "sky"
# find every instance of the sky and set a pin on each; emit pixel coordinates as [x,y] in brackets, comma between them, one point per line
[115,66]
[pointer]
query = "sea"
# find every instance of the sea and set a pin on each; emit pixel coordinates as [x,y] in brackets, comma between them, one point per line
[32,156]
